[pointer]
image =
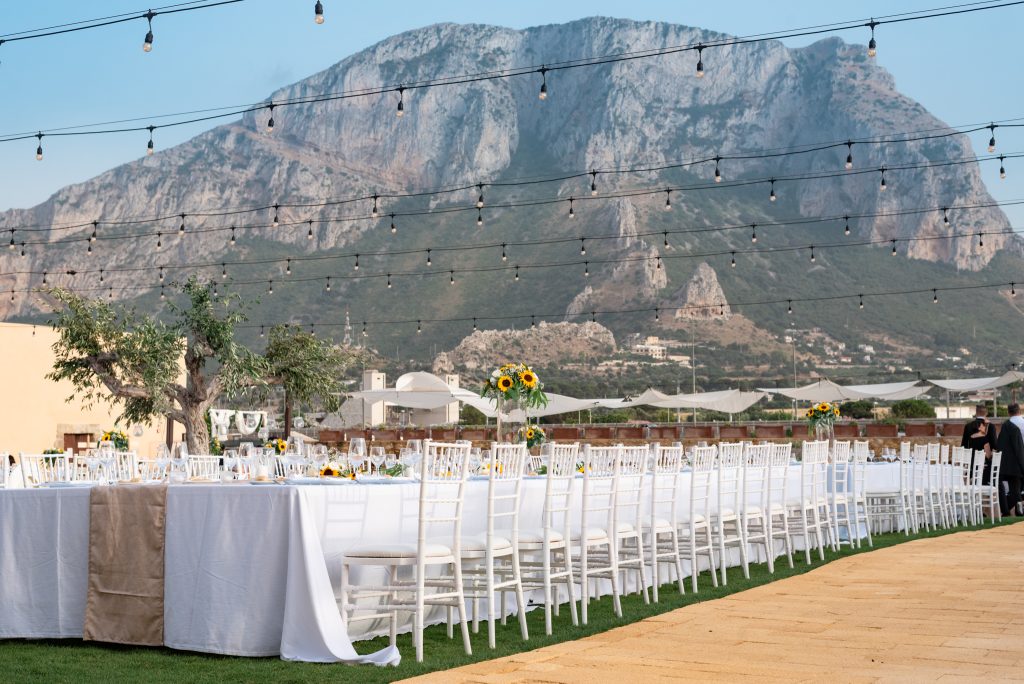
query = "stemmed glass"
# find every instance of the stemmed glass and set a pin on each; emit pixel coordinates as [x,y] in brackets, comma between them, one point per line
[92,462]
[377,457]
[357,452]
[390,461]
[179,462]
[474,461]
[230,464]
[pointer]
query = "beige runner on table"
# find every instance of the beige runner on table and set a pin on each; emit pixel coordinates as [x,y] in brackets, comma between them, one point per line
[125,599]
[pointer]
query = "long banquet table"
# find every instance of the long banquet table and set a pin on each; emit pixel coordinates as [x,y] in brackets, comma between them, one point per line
[249,570]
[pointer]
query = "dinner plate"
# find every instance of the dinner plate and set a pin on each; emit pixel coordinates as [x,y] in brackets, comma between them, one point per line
[67,485]
[263,482]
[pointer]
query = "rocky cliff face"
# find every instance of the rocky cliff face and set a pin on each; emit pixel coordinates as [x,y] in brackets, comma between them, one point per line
[647,112]
[702,298]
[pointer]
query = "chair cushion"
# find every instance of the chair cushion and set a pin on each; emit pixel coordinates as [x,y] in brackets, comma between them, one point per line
[371,550]
[599,533]
[477,543]
[661,526]
[535,537]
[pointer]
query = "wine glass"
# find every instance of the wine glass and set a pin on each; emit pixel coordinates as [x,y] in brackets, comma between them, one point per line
[377,457]
[474,460]
[390,461]
[357,452]
[415,445]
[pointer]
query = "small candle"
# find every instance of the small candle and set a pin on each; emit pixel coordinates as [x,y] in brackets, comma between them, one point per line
[262,472]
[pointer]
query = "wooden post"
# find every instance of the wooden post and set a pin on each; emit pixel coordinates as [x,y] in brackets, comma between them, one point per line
[169,433]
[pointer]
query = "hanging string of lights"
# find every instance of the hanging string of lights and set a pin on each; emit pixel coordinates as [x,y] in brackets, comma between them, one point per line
[431,211]
[543,70]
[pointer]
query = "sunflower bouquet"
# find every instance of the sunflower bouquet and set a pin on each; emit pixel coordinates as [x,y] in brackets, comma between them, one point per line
[278,445]
[822,415]
[118,437]
[333,469]
[533,436]
[515,382]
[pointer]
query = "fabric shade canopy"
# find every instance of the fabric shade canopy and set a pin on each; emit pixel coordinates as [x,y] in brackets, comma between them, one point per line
[417,390]
[557,403]
[975,384]
[726,401]
[826,390]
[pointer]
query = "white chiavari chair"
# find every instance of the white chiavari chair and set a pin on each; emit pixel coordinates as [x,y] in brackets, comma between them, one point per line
[695,536]
[861,454]
[661,527]
[755,516]
[442,492]
[551,540]
[595,540]
[806,505]
[490,562]
[629,494]
[126,466]
[203,467]
[727,518]
[990,491]
[778,484]
[978,467]
[922,508]
[934,495]
[841,497]
[5,468]
[40,469]
[960,467]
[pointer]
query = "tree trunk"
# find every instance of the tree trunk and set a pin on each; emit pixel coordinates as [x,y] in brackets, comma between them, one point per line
[287,414]
[196,434]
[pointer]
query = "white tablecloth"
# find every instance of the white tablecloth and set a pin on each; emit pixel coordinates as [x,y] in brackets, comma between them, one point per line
[250,570]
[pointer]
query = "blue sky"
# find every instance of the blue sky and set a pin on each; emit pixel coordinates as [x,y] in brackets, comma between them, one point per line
[964,69]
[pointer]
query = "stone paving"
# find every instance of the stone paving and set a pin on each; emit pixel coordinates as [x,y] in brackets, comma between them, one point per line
[947,608]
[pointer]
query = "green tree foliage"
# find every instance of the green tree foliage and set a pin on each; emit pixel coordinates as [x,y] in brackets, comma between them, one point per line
[862,408]
[912,408]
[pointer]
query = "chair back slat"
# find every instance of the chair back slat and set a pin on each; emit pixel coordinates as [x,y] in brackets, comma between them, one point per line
[444,472]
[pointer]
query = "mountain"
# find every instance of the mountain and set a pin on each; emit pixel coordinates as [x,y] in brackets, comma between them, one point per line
[761,96]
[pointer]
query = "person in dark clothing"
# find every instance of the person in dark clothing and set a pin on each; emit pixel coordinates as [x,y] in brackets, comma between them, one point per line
[980,435]
[1011,469]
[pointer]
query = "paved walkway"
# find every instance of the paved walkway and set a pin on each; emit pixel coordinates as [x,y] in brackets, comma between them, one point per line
[945,608]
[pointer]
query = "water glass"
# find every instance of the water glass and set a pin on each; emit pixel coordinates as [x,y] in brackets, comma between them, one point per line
[377,457]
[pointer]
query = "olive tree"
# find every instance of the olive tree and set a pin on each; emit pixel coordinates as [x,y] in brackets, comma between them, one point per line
[137,361]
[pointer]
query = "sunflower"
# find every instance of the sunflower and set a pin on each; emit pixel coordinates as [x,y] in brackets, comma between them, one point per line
[504,383]
[530,434]
[528,379]
[810,413]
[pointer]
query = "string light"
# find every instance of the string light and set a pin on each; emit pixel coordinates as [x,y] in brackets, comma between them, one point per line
[389,281]
[572,214]
[935,296]
[89,250]
[393,229]
[846,227]
[659,263]
[216,291]
[945,216]
[700,60]
[270,287]
[375,211]
[355,267]
[400,111]
[882,185]
[593,317]
[451,275]
[328,287]
[11,246]
[586,269]
[771,195]
[872,45]
[261,331]
[593,183]
[1002,168]
[718,173]
[149,145]
[277,218]
[981,243]
[159,240]
[733,264]
[44,277]
[657,314]
[160,274]
[543,95]
[861,303]
[1013,289]
[789,306]
[110,295]
[309,235]
[517,273]
[504,257]
[479,217]
[162,295]
[668,200]
[992,140]
[39,148]
[665,234]
[894,247]
[101,275]
[753,232]
[419,328]
[812,254]
[288,267]
[224,271]
[270,121]
[428,258]
[147,43]
[583,246]
[181,228]
[364,329]
[22,249]
[849,155]
[318,12]
[533,323]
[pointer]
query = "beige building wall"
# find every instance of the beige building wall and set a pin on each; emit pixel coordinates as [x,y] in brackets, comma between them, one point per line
[34,411]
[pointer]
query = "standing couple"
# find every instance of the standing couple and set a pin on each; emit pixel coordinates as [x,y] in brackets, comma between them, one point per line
[980,436]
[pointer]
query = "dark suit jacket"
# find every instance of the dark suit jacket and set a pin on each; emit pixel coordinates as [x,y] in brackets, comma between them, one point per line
[1011,444]
[978,443]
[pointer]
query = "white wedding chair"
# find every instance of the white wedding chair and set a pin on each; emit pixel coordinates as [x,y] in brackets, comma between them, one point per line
[896,504]
[5,468]
[39,469]
[934,492]
[755,522]
[978,487]
[990,491]
[596,537]
[806,516]
[778,484]
[695,522]
[842,497]
[629,494]
[126,466]
[203,467]
[661,528]
[151,469]
[859,497]
[727,521]
[945,478]
[551,540]
[490,562]
[960,467]
[441,496]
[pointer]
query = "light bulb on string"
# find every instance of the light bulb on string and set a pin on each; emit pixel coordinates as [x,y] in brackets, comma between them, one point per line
[846,226]
[543,95]
[44,277]
[480,197]
[355,266]
[572,213]
[12,245]
[812,254]
[659,263]
[309,235]
[270,287]
[159,240]
[328,286]
[147,43]
[992,140]
[162,295]
[771,195]
[533,323]
[216,291]
[1013,289]
[394,230]
[894,247]
[149,146]
[668,200]
[849,155]
[583,246]
[593,317]
[733,263]
[110,294]
[935,297]
[160,273]
[419,328]
[101,275]
[428,258]
[262,334]
[288,267]
[861,302]
[89,250]
[318,12]
[39,148]
[517,273]
[474,325]
[364,329]
[700,61]
[400,111]
[881,186]
[981,242]
[232,240]
[593,183]
[277,218]
[389,281]
[223,271]
[375,212]
[665,235]
[479,217]
[586,269]
[718,173]
[504,257]
[451,275]
[945,216]
[872,45]
[181,228]
[1002,168]
[753,232]
[789,307]
[270,121]
[22,249]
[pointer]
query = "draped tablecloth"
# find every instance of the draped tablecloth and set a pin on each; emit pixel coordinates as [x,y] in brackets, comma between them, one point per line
[249,570]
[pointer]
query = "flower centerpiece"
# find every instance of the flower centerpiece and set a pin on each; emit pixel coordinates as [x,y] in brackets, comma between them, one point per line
[512,386]
[821,418]
[278,445]
[333,469]
[534,436]
[119,438]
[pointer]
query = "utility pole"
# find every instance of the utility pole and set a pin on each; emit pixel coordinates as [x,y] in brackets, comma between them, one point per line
[794,375]
[693,361]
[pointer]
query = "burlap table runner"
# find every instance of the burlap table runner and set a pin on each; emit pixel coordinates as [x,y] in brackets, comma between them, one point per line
[125,599]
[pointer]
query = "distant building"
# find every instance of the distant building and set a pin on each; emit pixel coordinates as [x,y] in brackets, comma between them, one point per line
[652,347]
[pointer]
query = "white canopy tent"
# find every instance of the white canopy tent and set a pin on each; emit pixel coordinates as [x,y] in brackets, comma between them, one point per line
[976,384]
[418,390]
[826,390]
[725,401]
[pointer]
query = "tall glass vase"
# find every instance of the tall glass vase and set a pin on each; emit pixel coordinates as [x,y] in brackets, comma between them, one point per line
[510,428]
[824,432]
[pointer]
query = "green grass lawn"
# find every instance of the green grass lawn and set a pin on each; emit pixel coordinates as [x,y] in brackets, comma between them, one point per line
[76,661]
